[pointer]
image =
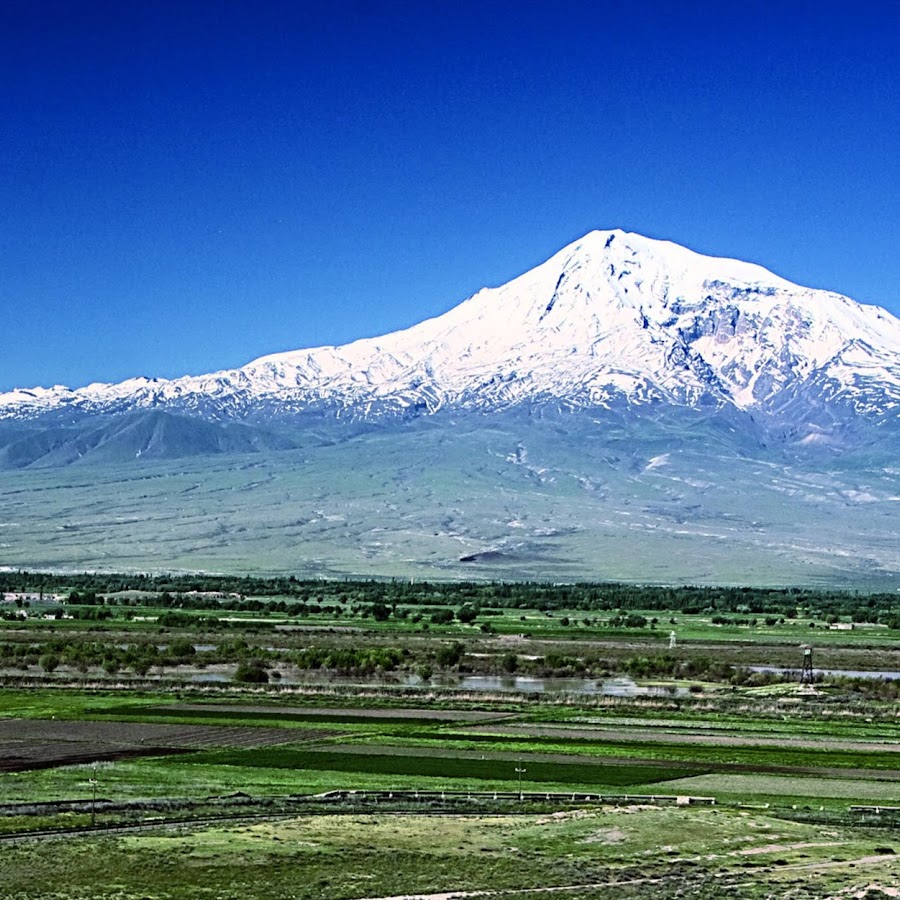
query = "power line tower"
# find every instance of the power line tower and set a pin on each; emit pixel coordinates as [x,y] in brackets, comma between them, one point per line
[673,641]
[806,673]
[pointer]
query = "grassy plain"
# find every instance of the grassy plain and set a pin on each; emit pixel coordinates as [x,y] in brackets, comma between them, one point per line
[627,852]
[350,702]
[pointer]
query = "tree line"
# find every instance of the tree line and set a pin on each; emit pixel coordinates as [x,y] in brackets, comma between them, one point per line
[384,598]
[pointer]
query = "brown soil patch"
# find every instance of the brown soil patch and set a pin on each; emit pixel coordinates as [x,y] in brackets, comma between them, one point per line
[45,743]
[37,756]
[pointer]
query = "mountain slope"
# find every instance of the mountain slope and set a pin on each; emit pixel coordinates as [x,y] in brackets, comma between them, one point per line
[639,497]
[613,319]
[148,435]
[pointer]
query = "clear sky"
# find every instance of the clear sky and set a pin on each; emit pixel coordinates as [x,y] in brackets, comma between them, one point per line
[188,185]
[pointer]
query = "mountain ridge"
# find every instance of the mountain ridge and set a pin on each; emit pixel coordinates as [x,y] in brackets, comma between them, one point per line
[612,319]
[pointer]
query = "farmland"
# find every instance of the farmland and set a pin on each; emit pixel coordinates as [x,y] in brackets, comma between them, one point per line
[546,750]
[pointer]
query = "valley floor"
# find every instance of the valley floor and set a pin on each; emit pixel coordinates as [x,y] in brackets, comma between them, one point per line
[344,746]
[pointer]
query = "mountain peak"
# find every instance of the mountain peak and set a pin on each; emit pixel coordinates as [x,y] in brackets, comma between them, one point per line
[613,318]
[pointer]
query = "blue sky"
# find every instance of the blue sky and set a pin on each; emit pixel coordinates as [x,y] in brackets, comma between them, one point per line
[186,186]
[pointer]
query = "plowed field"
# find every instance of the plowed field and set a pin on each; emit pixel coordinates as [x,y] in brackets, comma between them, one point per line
[43,743]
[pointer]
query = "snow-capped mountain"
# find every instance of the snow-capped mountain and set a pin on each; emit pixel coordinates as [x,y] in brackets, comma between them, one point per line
[613,319]
[628,409]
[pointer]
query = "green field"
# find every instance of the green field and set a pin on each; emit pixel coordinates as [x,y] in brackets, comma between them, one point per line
[157,704]
[611,852]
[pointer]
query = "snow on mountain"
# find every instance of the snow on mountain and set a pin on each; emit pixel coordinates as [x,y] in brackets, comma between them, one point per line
[614,317]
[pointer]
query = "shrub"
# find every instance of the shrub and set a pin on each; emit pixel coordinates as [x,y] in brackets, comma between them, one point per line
[251,672]
[48,662]
[450,655]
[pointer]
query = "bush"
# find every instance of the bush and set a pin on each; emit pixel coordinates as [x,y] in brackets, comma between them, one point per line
[450,655]
[252,672]
[380,612]
[181,649]
[48,662]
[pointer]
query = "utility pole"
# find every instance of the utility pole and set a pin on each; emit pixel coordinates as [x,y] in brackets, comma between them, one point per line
[94,798]
[519,771]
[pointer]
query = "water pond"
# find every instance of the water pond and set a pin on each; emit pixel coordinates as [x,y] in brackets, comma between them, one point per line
[609,687]
[829,673]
